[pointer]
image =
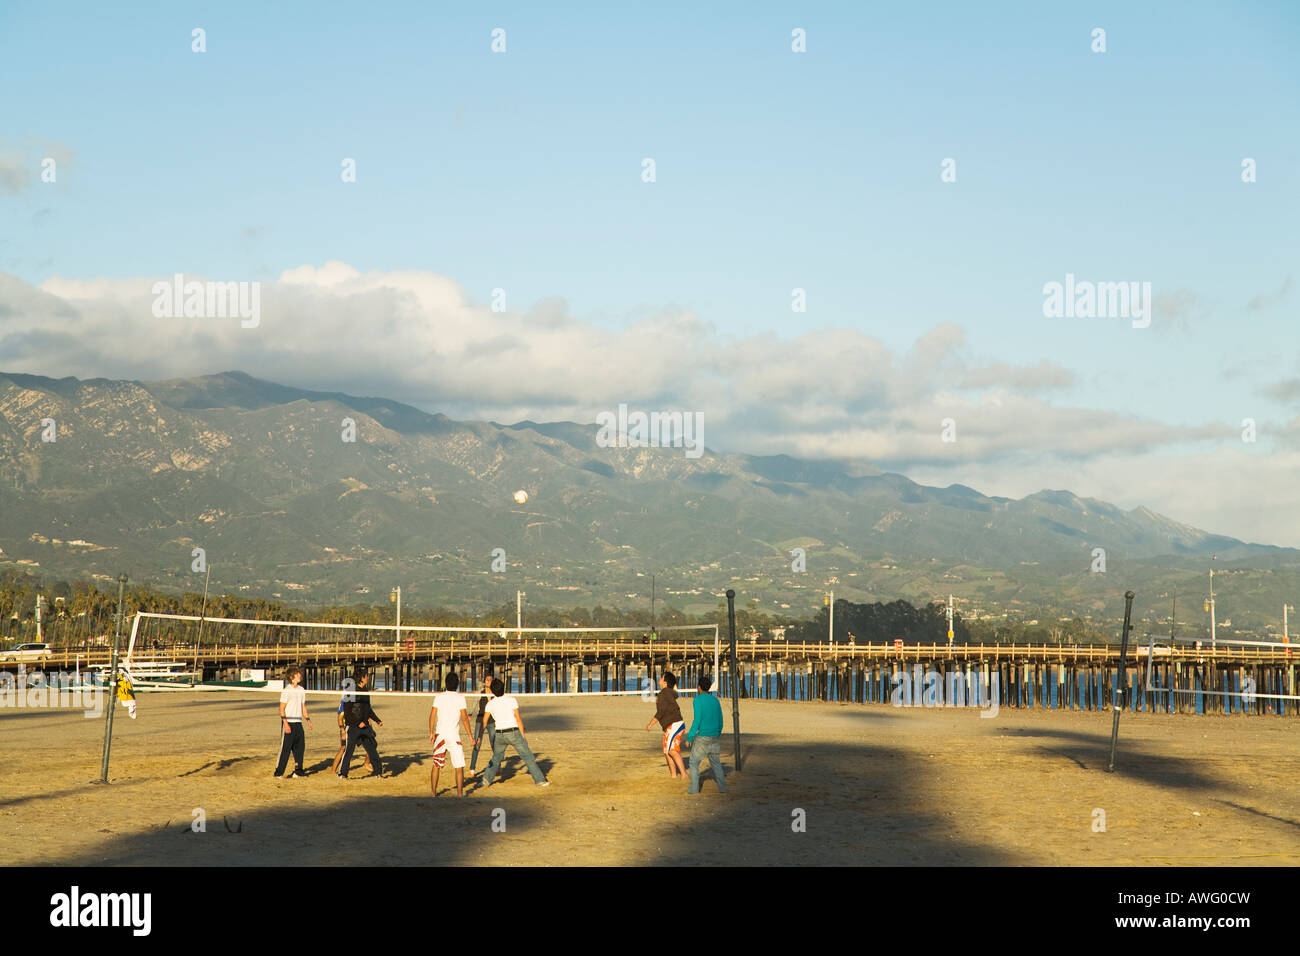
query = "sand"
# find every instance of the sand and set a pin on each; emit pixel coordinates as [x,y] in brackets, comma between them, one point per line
[873,785]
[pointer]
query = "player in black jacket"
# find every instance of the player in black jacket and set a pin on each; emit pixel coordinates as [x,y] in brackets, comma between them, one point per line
[359,715]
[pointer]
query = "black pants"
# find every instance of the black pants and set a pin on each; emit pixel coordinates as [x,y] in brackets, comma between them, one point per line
[296,741]
[366,738]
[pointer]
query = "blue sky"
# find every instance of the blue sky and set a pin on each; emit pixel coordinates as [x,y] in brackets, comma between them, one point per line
[775,170]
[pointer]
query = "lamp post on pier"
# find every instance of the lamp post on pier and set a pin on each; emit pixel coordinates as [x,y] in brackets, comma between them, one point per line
[395,596]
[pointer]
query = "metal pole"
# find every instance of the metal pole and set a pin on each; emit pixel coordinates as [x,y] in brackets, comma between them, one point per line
[1214,642]
[1286,639]
[717,674]
[1151,652]
[652,604]
[112,681]
[830,627]
[735,673]
[1117,697]
[203,612]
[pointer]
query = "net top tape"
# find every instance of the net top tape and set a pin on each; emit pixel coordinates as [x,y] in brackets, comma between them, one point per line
[647,693]
[425,627]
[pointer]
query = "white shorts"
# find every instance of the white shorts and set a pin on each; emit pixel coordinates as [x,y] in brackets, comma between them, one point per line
[442,746]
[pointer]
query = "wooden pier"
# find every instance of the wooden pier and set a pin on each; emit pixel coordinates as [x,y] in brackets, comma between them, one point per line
[1080,677]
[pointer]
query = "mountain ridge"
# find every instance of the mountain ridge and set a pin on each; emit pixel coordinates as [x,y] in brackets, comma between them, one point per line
[261,476]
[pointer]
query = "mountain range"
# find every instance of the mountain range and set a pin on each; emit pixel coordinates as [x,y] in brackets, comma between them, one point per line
[102,476]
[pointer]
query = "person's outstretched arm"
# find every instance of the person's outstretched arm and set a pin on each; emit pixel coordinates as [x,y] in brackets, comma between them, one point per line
[519,722]
[658,714]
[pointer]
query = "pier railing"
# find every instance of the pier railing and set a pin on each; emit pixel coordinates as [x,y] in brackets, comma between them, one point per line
[225,655]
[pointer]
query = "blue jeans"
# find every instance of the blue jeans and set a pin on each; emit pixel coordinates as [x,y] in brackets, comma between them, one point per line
[711,748]
[490,729]
[515,739]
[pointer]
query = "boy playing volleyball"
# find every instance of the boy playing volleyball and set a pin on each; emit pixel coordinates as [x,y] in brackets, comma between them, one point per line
[669,715]
[293,711]
[343,741]
[445,719]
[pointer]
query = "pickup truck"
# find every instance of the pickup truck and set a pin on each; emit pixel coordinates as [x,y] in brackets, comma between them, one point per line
[26,652]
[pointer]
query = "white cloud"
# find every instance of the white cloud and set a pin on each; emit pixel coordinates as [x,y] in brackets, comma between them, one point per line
[1241,490]
[417,337]
[1270,299]
[20,165]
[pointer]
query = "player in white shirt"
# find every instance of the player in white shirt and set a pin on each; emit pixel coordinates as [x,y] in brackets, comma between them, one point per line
[504,709]
[445,720]
[293,711]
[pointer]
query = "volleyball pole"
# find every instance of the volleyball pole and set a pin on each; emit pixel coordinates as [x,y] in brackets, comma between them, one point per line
[735,674]
[110,685]
[1117,694]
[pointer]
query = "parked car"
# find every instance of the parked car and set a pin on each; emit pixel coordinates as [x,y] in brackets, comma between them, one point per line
[26,652]
[1155,649]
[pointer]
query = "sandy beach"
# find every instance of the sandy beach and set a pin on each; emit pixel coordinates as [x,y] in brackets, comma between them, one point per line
[876,785]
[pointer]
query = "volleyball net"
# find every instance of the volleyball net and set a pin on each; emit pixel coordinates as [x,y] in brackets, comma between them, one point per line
[1247,689]
[171,652]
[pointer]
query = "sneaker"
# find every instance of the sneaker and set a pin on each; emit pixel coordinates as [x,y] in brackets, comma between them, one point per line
[545,783]
[295,774]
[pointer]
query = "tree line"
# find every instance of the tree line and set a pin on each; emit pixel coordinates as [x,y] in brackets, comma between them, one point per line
[82,613]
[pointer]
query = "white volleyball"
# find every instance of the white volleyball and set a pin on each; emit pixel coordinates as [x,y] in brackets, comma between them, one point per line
[521,496]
